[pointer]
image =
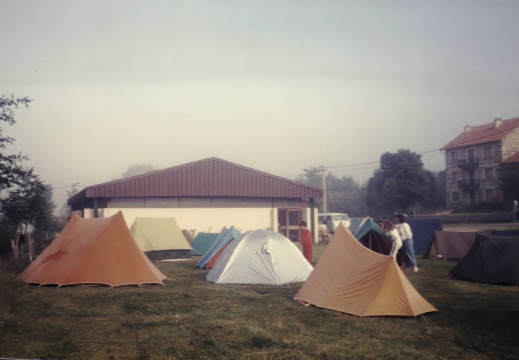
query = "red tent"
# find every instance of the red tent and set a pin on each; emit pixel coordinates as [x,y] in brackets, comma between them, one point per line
[93,251]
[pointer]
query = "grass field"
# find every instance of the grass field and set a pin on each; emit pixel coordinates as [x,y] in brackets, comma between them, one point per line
[190,318]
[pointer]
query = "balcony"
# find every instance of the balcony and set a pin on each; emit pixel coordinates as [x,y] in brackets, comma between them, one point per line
[468,163]
[468,185]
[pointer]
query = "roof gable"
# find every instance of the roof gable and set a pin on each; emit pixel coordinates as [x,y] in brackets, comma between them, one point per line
[210,177]
[484,134]
[512,159]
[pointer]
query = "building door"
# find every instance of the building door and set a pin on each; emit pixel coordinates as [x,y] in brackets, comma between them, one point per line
[288,223]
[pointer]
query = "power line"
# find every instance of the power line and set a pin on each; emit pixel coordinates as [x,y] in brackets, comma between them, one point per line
[365,168]
[64,187]
[375,162]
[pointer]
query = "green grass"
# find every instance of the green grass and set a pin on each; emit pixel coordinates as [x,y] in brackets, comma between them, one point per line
[190,318]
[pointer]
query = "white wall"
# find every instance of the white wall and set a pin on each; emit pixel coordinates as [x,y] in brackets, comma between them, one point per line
[208,219]
[307,213]
[200,219]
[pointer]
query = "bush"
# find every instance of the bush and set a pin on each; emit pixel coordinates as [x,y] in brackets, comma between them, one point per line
[8,273]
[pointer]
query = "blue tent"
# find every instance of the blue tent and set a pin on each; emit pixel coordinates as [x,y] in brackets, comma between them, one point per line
[355,224]
[371,236]
[366,225]
[423,233]
[223,239]
[202,242]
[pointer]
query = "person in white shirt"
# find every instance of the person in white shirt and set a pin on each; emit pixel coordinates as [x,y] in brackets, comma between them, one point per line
[407,242]
[393,235]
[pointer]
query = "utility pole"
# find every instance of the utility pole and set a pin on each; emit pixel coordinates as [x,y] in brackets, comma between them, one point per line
[325,204]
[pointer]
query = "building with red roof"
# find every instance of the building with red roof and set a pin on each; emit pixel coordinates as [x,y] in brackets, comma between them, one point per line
[473,159]
[205,196]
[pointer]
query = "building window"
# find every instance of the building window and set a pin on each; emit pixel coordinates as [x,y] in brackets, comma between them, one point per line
[455,196]
[489,195]
[489,173]
[488,151]
[455,177]
[454,156]
[288,223]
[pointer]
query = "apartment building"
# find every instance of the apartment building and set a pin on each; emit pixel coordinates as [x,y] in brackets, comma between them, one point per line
[473,160]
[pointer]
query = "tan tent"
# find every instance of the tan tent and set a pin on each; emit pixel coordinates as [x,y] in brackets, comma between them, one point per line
[356,280]
[160,238]
[93,251]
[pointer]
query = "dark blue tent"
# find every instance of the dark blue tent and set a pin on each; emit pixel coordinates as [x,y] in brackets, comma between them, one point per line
[491,260]
[423,232]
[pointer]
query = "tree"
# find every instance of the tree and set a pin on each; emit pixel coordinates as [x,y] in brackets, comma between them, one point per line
[312,177]
[47,225]
[400,183]
[437,192]
[11,170]
[12,173]
[135,170]
[28,201]
[24,206]
[343,195]
[138,170]
[8,230]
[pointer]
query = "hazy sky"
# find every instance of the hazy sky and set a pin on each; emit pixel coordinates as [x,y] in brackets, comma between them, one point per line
[278,86]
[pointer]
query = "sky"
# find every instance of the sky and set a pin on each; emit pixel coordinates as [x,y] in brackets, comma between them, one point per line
[278,86]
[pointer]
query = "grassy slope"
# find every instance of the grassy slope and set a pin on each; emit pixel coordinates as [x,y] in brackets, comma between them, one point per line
[191,318]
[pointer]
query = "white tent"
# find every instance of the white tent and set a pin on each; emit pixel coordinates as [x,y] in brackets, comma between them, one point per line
[260,257]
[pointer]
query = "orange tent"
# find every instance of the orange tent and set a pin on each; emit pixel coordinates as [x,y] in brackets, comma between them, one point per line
[93,251]
[356,280]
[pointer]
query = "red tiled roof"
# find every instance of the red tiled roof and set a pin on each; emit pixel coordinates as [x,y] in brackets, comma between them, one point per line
[512,159]
[210,177]
[483,134]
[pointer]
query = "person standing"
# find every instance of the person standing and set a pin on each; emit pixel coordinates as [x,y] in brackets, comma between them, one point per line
[407,242]
[394,237]
[306,241]
[329,225]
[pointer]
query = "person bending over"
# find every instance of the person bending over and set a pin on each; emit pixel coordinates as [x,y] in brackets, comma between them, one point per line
[407,242]
[393,236]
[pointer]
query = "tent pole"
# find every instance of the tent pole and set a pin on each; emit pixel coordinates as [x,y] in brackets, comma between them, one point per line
[96,208]
[312,219]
